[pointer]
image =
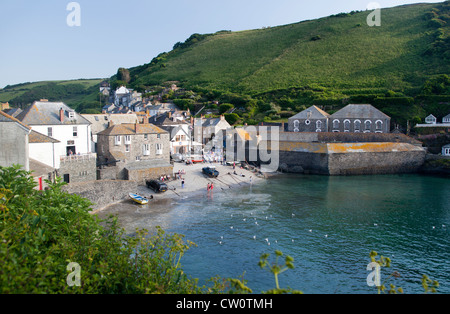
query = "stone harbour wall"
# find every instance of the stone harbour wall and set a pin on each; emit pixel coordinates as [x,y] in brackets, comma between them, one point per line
[102,193]
[350,158]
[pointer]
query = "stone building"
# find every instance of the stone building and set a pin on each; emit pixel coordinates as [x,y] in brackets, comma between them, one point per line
[135,152]
[352,118]
[14,137]
[359,119]
[312,119]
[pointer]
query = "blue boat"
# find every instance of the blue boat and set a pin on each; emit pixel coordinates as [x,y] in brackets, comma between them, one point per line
[138,199]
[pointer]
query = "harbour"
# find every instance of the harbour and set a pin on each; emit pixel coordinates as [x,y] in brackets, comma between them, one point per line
[329,225]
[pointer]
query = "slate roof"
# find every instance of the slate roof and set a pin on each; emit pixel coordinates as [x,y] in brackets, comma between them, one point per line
[100,122]
[132,129]
[36,137]
[4,117]
[316,113]
[164,120]
[47,113]
[359,111]
[13,112]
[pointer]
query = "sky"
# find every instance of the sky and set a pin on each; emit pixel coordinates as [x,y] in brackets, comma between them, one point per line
[38,44]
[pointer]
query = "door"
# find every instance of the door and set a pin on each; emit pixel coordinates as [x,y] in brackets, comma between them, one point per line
[67,178]
[71,150]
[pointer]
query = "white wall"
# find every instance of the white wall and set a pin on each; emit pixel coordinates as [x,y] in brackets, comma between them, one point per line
[47,153]
[64,133]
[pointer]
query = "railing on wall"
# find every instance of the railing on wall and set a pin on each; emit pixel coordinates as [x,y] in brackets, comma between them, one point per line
[78,157]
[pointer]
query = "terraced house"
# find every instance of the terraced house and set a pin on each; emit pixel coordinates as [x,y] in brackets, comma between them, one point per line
[133,151]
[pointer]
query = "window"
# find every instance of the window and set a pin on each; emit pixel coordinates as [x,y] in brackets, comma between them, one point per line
[336,125]
[146,149]
[296,126]
[127,139]
[368,126]
[50,132]
[145,136]
[158,136]
[159,149]
[307,122]
[71,114]
[127,148]
[118,140]
[347,126]
[75,131]
[357,126]
[138,158]
[379,126]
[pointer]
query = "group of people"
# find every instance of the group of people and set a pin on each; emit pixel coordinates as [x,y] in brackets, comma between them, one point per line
[165,178]
[210,187]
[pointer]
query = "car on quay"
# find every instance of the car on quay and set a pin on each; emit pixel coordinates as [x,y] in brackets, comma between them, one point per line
[157,185]
[210,172]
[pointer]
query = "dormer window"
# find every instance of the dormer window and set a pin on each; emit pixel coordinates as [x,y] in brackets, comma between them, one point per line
[71,114]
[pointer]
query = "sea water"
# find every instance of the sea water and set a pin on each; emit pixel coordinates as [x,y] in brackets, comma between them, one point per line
[329,225]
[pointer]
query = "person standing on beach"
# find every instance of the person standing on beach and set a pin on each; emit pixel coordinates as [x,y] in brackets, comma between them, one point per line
[182,184]
[209,187]
[212,186]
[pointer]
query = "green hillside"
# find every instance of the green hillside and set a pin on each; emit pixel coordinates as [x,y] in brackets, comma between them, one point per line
[79,94]
[328,61]
[341,51]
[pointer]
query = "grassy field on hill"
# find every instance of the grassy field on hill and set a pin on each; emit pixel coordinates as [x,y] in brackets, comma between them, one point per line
[338,52]
[80,94]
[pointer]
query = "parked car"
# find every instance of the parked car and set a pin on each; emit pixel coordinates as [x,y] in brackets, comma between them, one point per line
[157,186]
[211,172]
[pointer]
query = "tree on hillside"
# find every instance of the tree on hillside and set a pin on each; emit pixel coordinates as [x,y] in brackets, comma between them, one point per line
[123,75]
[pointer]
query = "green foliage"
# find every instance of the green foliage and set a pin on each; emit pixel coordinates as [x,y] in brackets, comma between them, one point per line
[232,118]
[225,107]
[123,75]
[42,232]
[276,269]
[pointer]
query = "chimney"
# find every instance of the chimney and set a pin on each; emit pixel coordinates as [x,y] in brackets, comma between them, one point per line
[61,115]
[222,117]
[110,123]
[43,100]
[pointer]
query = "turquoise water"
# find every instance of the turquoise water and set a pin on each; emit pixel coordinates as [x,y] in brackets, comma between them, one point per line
[328,225]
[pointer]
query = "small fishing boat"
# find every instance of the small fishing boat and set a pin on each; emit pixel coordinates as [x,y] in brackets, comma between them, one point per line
[138,199]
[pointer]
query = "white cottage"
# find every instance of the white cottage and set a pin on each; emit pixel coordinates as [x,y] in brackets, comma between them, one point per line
[58,121]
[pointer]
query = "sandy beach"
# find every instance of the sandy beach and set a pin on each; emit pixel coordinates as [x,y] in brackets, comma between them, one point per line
[196,182]
[135,216]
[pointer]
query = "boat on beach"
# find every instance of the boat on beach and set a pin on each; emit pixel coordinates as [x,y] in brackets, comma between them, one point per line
[138,199]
